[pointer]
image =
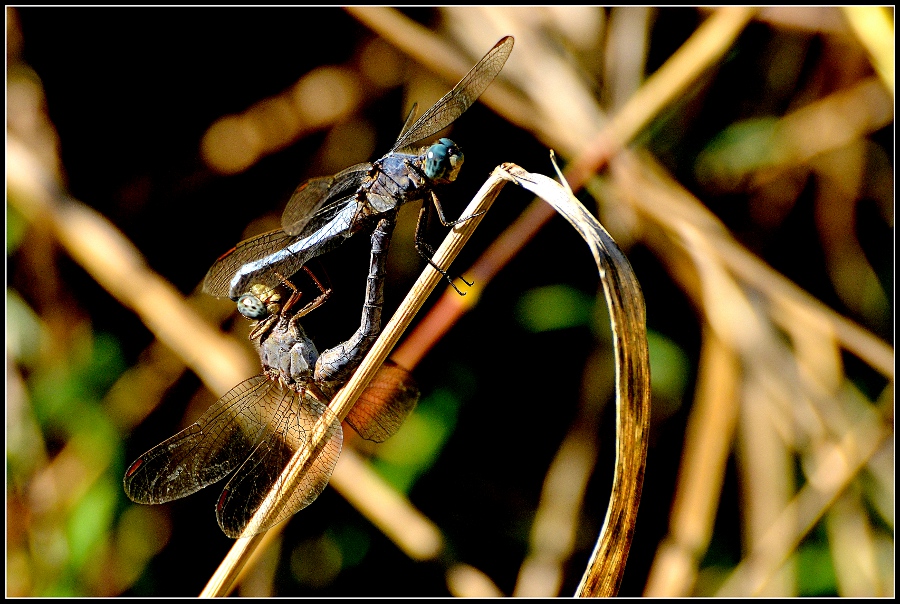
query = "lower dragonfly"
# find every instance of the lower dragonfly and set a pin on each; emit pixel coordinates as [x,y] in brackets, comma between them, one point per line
[259,424]
[324,211]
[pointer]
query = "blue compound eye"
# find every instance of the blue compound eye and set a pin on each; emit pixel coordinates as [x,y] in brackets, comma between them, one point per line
[443,160]
[251,307]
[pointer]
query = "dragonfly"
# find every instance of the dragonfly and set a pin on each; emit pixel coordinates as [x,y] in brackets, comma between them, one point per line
[254,430]
[324,211]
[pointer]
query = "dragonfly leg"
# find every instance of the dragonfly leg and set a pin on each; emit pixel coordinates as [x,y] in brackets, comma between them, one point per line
[427,252]
[325,293]
[444,221]
[262,327]
[296,294]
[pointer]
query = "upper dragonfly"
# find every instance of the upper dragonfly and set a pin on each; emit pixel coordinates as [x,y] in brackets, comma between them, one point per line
[258,426]
[324,211]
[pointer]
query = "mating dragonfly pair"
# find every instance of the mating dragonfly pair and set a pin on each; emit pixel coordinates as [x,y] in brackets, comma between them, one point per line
[259,424]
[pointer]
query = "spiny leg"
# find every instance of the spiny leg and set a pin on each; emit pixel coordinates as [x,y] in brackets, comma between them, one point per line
[262,327]
[297,294]
[427,252]
[320,299]
[443,219]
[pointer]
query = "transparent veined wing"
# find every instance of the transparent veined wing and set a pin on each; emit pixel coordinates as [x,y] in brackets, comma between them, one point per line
[259,482]
[218,279]
[408,122]
[256,427]
[209,449]
[464,94]
[315,201]
[385,404]
[269,258]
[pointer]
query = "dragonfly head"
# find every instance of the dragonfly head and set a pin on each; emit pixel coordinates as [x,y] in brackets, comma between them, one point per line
[261,302]
[443,161]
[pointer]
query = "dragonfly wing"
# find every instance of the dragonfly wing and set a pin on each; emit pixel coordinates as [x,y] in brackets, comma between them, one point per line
[356,171]
[258,481]
[464,94]
[385,404]
[208,450]
[316,200]
[408,122]
[218,279]
[308,197]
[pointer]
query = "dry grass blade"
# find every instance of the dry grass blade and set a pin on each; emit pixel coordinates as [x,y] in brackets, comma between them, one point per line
[875,29]
[223,578]
[102,250]
[628,316]
[657,195]
[839,467]
[707,445]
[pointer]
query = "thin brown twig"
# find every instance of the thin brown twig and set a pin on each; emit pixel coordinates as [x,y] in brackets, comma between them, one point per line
[221,581]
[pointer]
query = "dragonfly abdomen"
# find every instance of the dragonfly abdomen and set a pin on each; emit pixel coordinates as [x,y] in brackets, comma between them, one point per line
[340,362]
[270,269]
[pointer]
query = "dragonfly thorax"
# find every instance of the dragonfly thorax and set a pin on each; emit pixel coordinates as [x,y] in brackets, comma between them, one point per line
[443,160]
[288,354]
